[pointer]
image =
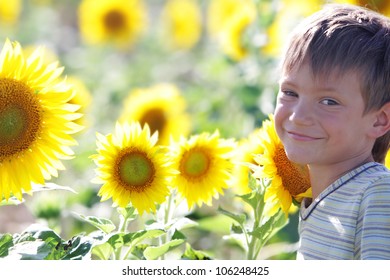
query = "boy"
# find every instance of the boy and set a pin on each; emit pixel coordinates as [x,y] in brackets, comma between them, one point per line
[333,114]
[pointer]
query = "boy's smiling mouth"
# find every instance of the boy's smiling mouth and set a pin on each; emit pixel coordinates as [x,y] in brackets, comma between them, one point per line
[300,136]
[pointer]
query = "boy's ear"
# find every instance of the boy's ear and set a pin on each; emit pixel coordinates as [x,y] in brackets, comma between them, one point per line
[382,121]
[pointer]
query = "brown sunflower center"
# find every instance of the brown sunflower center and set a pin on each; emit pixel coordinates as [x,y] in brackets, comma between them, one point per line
[378,5]
[294,177]
[114,21]
[135,170]
[156,120]
[20,117]
[195,163]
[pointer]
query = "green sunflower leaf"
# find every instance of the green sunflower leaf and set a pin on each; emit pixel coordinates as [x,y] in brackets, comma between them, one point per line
[239,218]
[6,242]
[104,225]
[271,227]
[79,248]
[154,252]
[191,254]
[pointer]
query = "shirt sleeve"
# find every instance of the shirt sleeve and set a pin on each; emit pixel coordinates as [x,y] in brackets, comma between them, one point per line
[374,221]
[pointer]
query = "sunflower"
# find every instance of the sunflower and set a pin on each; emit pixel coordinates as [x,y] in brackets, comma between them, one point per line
[233,37]
[221,12]
[119,21]
[387,160]
[204,163]
[380,6]
[82,98]
[10,11]
[162,107]
[132,168]
[288,16]
[35,120]
[246,151]
[288,180]
[182,22]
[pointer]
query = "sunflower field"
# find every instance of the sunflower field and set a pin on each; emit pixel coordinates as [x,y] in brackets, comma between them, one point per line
[143,129]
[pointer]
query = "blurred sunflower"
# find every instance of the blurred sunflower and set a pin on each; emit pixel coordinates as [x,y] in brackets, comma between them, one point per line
[204,163]
[289,14]
[82,97]
[387,160]
[162,107]
[246,151]
[381,6]
[10,11]
[233,36]
[132,168]
[35,120]
[182,23]
[221,12]
[288,180]
[118,21]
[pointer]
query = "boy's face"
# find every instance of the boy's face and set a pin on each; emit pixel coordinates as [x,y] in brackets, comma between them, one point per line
[321,121]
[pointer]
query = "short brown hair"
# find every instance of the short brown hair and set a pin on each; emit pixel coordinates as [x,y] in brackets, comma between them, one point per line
[342,38]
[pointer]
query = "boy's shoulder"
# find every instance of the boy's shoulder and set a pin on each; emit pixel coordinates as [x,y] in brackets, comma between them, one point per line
[376,181]
[365,178]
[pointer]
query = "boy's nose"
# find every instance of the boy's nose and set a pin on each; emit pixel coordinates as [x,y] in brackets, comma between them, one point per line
[302,114]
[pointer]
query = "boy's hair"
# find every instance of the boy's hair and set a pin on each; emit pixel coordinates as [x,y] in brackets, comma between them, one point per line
[342,38]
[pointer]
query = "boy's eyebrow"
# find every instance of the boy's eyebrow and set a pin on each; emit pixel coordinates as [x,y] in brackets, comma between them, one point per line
[290,82]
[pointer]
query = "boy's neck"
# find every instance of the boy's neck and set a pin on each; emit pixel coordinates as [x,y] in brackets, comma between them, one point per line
[322,176]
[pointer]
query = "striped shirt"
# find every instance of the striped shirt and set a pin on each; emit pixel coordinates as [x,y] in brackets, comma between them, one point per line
[350,219]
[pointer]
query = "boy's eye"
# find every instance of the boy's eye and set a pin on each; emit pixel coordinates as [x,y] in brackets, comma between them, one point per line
[289,93]
[329,102]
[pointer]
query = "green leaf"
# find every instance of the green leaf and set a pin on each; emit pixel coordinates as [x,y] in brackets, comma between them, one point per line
[128,213]
[30,250]
[36,232]
[241,218]
[138,251]
[80,247]
[191,254]
[178,235]
[104,225]
[6,242]
[236,229]
[220,224]
[271,227]
[154,252]
[137,237]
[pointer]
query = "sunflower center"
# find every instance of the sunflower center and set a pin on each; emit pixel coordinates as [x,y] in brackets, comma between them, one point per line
[114,20]
[379,5]
[294,177]
[194,163]
[20,117]
[156,120]
[135,170]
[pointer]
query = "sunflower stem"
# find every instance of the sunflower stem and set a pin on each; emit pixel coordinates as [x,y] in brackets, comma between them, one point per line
[255,245]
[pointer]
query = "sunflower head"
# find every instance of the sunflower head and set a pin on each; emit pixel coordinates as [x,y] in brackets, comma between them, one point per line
[132,168]
[36,121]
[204,165]
[161,107]
[288,180]
[246,152]
[182,23]
[10,11]
[233,36]
[118,21]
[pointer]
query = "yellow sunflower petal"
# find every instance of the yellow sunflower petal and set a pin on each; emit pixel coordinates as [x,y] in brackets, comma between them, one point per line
[35,129]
